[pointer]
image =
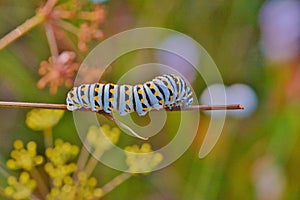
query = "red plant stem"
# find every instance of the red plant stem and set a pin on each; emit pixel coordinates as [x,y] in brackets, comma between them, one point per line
[10,104]
[51,39]
[28,24]
[20,30]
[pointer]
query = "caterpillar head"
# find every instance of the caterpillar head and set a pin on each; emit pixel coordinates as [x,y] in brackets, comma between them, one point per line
[71,103]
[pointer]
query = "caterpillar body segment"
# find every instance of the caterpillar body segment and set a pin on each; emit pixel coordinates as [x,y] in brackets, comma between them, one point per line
[164,91]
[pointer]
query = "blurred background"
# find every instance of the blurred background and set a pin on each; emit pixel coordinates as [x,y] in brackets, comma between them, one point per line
[256,46]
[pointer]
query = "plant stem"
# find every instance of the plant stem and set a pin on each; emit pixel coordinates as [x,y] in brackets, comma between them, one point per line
[51,39]
[48,7]
[89,168]
[21,30]
[48,139]
[83,157]
[28,24]
[41,185]
[115,182]
[67,26]
[10,104]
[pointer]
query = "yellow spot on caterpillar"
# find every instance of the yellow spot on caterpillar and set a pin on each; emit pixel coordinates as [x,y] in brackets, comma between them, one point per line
[85,105]
[127,102]
[171,97]
[110,109]
[156,93]
[140,91]
[73,92]
[142,100]
[151,86]
[96,89]
[169,86]
[83,88]
[73,98]
[160,102]
[111,99]
[128,92]
[128,110]
[97,107]
[83,96]
[111,90]
[145,109]
[96,98]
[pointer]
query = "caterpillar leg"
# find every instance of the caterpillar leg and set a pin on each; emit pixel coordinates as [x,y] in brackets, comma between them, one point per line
[171,106]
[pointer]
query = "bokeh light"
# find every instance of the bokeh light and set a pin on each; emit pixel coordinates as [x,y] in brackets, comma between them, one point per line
[184,47]
[235,94]
[280,26]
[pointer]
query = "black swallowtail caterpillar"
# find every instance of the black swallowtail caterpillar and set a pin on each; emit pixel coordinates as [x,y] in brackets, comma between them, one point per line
[163,91]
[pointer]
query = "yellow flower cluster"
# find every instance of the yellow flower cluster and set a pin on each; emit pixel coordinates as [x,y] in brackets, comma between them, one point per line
[43,119]
[143,159]
[67,180]
[60,157]
[82,189]
[61,169]
[62,153]
[20,189]
[24,158]
[103,138]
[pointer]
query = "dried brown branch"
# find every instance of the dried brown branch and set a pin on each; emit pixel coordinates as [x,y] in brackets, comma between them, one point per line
[11,104]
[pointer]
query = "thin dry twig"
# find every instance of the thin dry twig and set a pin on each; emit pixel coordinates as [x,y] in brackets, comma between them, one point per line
[6,104]
[11,104]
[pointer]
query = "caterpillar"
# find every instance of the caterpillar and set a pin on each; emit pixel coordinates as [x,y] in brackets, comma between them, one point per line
[166,91]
